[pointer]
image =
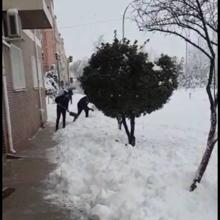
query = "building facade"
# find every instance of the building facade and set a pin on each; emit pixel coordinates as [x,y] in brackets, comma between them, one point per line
[24,107]
[49,49]
[49,43]
[54,57]
[62,59]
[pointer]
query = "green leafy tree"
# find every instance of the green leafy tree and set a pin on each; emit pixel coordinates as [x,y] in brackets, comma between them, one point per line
[123,83]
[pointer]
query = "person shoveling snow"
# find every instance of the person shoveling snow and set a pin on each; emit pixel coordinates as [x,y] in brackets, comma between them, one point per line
[82,105]
[62,99]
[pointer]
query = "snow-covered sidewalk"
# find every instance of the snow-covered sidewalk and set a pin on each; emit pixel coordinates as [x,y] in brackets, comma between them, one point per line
[100,175]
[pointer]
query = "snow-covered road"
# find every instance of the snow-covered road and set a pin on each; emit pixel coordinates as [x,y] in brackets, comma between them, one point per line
[100,175]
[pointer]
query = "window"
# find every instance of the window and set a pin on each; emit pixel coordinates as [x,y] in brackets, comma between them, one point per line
[12,23]
[34,71]
[4,25]
[17,65]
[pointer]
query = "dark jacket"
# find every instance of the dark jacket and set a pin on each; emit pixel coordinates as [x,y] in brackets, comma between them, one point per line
[83,102]
[62,99]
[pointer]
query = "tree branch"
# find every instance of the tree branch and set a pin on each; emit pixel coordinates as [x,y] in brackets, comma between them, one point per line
[194,23]
[180,35]
[125,126]
[208,87]
[205,29]
[182,25]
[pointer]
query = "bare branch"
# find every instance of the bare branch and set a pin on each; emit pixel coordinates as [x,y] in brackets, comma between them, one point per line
[208,87]
[180,35]
[179,9]
[205,29]
[184,26]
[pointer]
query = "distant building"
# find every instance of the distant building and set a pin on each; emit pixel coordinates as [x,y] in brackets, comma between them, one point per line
[24,107]
[62,61]
[53,51]
[49,43]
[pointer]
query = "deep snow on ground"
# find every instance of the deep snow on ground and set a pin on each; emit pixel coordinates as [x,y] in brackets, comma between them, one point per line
[98,174]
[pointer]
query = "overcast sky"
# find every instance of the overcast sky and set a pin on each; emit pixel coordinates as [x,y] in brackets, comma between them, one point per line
[81,22]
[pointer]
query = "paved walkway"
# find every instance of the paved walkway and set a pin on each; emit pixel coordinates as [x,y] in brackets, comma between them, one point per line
[26,175]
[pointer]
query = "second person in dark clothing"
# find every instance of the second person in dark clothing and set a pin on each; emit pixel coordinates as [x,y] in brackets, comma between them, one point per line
[83,105]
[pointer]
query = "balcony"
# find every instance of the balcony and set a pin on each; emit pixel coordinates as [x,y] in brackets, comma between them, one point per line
[34,14]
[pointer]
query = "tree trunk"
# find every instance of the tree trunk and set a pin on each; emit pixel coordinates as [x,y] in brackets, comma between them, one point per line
[211,138]
[119,126]
[207,154]
[119,120]
[131,138]
[125,126]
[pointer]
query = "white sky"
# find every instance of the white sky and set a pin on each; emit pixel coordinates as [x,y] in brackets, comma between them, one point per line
[81,23]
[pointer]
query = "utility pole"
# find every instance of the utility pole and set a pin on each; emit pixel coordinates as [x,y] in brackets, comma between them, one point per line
[186,58]
[123,18]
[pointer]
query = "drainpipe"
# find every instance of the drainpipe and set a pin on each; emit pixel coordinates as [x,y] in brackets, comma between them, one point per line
[7,110]
[38,80]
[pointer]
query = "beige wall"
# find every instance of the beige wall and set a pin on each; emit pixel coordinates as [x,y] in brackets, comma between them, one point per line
[23,4]
[34,14]
[24,105]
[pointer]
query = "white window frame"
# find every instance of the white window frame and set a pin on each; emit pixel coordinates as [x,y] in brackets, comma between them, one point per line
[17,67]
[36,71]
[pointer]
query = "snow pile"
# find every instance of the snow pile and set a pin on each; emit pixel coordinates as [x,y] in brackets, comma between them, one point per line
[102,177]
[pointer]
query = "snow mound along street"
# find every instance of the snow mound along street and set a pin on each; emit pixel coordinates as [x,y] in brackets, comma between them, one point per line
[98,175]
